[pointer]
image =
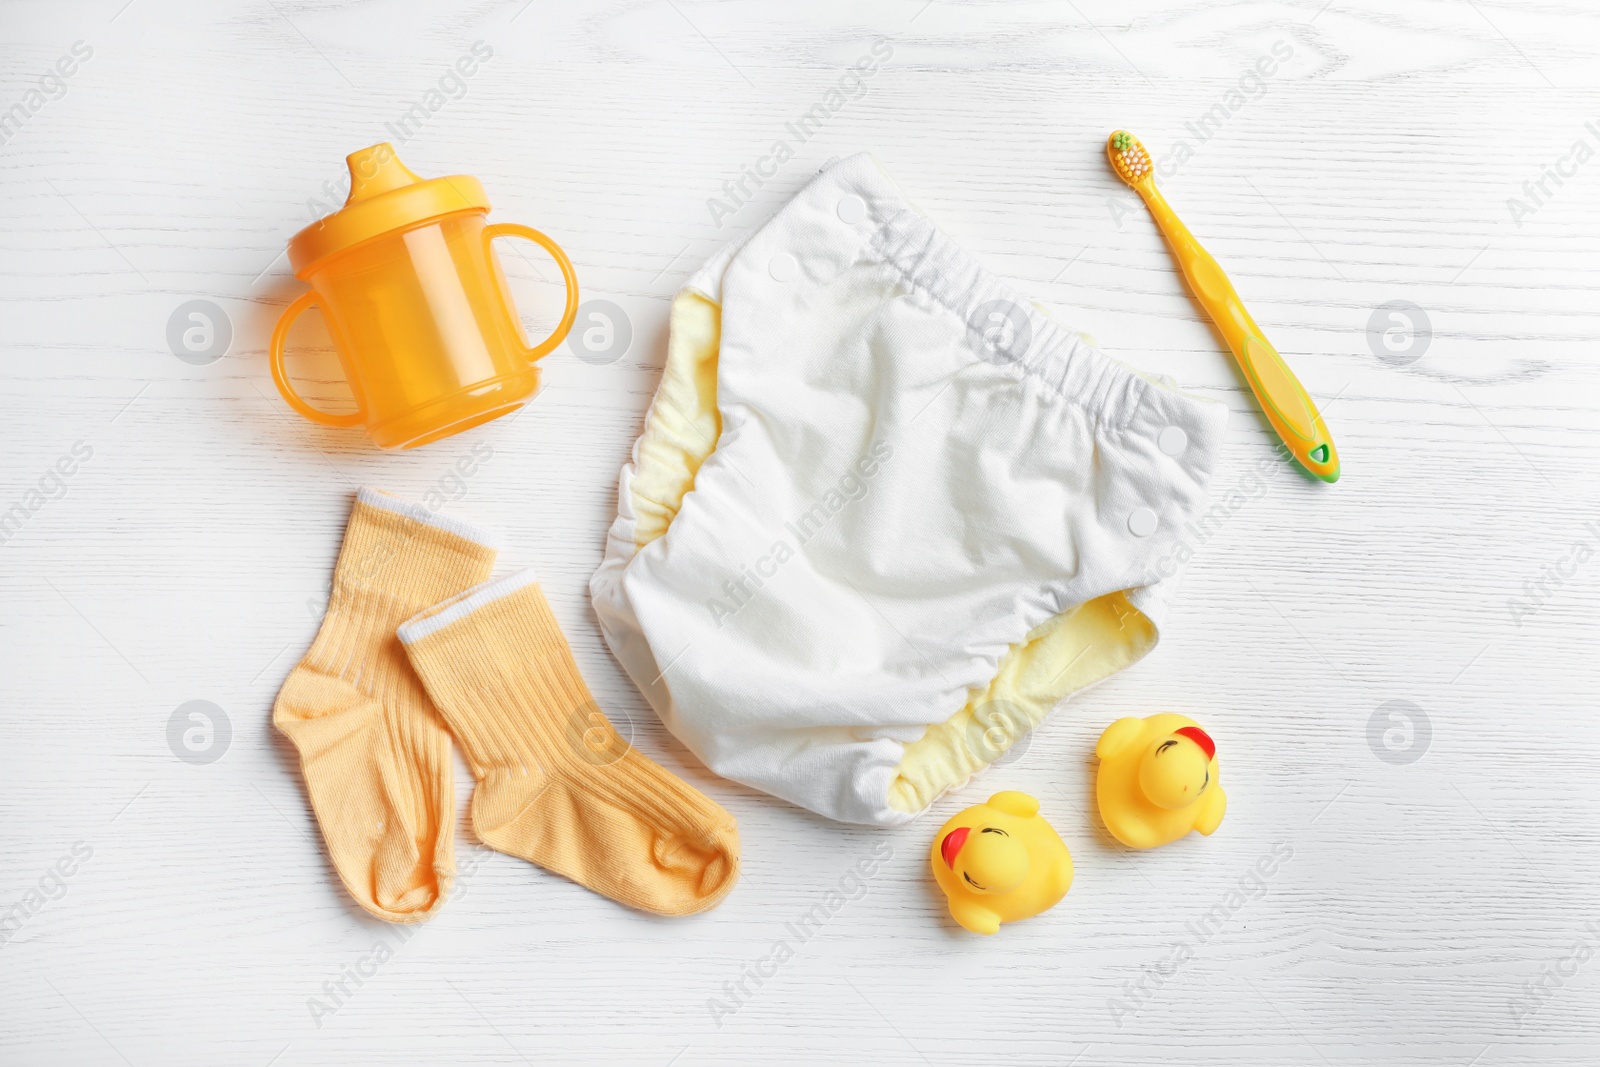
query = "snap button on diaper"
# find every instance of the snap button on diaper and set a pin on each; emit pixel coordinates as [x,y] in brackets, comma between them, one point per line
[1142,521]
[1173,441]
[852,209]
[783,267]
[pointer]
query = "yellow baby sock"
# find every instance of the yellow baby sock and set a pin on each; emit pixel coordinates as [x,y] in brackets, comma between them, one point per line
[375,755]
[556,785]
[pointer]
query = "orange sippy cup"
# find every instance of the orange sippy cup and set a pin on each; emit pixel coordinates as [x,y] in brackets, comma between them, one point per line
[416,304]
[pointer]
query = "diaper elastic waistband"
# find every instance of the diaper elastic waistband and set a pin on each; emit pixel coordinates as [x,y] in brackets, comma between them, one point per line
[1030,340]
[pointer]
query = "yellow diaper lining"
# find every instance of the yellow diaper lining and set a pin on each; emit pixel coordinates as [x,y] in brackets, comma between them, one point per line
[1059,657]
[682,427]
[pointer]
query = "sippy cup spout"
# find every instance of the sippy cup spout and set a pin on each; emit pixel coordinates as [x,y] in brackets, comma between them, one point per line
[376,170]
[386,196]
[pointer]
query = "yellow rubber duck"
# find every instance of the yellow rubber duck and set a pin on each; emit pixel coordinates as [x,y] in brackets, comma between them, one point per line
[1158,780]
[1000,861]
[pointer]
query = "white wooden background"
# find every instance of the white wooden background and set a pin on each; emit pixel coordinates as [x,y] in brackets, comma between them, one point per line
[1436,911]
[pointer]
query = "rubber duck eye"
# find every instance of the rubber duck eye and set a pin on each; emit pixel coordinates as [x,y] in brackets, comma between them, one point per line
[994,830]
[1164,746]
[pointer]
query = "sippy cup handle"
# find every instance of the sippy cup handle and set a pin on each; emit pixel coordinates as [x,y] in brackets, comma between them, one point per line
[280,333]
[559,334]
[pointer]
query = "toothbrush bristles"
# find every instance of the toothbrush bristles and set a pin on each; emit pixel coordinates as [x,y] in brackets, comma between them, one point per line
[1128,157]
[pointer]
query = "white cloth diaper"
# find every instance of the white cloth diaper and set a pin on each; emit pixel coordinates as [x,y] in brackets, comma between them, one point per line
[893,476]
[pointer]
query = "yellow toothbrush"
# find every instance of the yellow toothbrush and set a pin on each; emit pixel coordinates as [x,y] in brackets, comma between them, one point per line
[1290,411]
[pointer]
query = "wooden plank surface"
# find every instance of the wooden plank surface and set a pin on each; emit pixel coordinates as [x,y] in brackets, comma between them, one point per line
[1437,911]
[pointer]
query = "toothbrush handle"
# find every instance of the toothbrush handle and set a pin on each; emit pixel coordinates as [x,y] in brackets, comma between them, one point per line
[1293,415]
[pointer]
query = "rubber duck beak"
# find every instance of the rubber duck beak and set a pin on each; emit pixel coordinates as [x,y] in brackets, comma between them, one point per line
[950,847]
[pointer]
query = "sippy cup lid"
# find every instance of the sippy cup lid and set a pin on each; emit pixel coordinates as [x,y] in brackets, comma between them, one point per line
[384,196]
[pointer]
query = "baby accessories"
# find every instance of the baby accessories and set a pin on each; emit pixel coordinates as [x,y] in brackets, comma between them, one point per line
[884,513]
[375,755]
[416,304]
[557,786]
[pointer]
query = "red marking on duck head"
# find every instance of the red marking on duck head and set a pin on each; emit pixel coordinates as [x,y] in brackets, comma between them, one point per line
[950,847]
[1199,737]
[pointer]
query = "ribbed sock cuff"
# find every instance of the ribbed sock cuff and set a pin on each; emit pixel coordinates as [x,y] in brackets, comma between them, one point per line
[409,554]
[432,619]
[377,498]
[496,638]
